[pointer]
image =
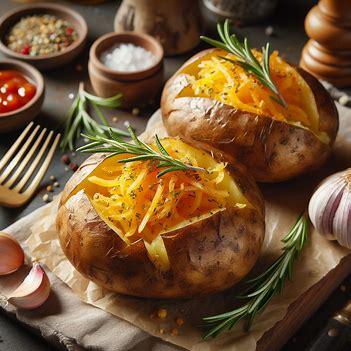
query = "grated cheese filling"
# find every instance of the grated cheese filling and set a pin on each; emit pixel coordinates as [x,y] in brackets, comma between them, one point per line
[136,204]
[213,77]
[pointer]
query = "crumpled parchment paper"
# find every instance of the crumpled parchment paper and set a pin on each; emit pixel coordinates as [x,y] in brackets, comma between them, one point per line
[94,328]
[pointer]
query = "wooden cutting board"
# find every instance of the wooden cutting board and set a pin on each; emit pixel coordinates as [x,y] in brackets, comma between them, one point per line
[304,307]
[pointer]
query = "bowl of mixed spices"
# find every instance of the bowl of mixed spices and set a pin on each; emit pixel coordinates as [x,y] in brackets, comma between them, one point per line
[45,35]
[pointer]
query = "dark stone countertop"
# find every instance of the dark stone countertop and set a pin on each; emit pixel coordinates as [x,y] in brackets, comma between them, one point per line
[289,39]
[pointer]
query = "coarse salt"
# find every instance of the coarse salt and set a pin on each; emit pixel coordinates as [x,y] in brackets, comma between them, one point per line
[127,58]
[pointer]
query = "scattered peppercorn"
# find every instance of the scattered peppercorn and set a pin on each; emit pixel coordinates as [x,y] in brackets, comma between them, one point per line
[40,35]
[56,184]
[73,166]
[114,119]
[52,178]
[49,188]
[65,159]
[179,321]
[238,24]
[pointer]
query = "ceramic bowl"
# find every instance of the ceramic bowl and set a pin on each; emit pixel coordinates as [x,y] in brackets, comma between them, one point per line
[139,87]
[16,119]
[53,60]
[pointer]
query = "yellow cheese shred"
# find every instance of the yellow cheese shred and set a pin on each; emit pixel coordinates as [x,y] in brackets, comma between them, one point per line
[213,77]
[136,204]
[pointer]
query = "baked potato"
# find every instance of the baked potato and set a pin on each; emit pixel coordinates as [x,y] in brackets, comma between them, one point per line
[183,234]
[214,103]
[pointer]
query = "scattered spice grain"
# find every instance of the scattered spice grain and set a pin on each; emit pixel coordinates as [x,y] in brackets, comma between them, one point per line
[65,159]
[73,166]
[179,321]
[175,331]
[46,198]
[162,313]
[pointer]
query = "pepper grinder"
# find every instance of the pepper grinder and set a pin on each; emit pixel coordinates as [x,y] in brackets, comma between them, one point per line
[327,54]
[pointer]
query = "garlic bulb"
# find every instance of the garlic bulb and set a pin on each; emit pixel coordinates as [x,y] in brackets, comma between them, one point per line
[11,254]
[330,208]
[34,290]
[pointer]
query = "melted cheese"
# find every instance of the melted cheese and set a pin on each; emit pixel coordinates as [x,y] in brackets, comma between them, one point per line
[136,204]
[213,77]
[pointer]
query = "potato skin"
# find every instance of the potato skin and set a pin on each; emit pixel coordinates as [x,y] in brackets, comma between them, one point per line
[205,257]
[272,150]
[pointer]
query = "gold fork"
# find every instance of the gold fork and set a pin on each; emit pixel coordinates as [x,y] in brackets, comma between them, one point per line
[14,195]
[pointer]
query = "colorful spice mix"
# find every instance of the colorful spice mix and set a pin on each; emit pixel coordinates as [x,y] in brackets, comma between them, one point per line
[41,35]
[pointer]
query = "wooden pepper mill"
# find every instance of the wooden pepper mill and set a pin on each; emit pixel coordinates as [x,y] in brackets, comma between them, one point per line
[327,54]
[175,23]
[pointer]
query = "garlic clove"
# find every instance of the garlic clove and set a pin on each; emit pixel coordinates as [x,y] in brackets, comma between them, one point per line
[11,254]
[34,290]
[342,221]
[330,208]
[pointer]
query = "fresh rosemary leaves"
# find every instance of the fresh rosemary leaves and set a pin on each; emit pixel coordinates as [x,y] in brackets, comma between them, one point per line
[262,288]
[246,59]
[78,119]
[115,145]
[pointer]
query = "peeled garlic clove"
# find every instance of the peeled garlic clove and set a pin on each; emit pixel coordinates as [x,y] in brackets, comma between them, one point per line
[34,290]
[330,208]
[11,254]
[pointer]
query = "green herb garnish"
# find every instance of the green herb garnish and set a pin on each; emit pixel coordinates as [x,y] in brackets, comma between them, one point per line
[246,59]
[262,288]
[115,145]
[78,119]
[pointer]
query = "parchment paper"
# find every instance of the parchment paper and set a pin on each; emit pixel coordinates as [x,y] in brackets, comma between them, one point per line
[94,328]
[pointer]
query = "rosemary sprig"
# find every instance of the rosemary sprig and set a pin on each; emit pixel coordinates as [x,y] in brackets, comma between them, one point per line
[262,288]
[246,59]
[79,120]
[115,145]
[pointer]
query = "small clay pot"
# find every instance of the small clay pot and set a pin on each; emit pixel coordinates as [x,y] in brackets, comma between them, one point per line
[16,119]
[139,87]
[10,18]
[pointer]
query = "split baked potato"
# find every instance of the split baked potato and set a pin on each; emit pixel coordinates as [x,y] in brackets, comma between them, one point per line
[183,234]
[214,103]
